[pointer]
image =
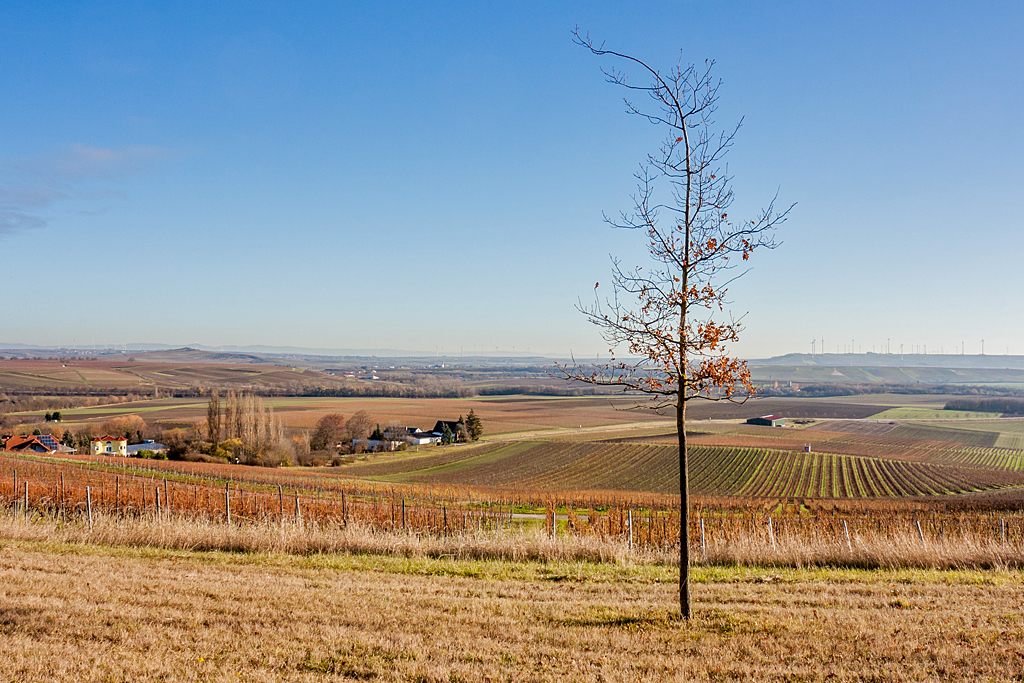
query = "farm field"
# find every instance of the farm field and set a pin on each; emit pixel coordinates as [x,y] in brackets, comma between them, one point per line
[916,413]
[150,614]
[501,414]
[749,472]
[143,378]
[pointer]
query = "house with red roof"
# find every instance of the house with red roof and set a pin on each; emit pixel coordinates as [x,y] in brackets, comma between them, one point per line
[108,445]
[36,443]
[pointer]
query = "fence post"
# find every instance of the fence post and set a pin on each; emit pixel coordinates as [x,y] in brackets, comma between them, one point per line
[920,534]
[849,545]
[227,501]
[629,525]
[771,533]
[88,504]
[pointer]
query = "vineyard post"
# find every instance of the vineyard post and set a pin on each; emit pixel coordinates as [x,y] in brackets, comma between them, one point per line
[1002,530]
[298,511]
[156,492]
[280,501]
[88,504]
[26,500]
[920,534]
[117,493]
[63,502]
[849,544]
[403,513]
[15,489]
[344,510]
[703,543]
[167,497]
[629,523]
[771,533]
[445,509]
[227,501]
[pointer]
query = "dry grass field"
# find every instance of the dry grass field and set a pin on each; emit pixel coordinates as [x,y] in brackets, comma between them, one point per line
[85,612]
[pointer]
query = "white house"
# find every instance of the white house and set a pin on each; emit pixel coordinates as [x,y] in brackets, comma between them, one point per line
[418,437]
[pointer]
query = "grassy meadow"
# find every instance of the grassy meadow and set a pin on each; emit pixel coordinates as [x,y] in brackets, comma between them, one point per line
[80,611]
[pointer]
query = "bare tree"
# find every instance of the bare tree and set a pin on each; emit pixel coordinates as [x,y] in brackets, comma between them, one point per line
[330,430]
[359,425]
[667,318]
[213,417]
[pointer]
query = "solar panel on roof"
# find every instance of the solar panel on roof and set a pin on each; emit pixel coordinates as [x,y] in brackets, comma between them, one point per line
[49,441]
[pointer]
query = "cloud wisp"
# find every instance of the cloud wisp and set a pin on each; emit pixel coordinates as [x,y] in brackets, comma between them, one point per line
[31,187]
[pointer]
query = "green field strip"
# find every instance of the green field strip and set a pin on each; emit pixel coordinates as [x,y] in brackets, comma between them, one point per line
[1010,440]
[869,487]
[746,463]
[864,486]
[749,457]
[755,483]
[878,477]
[840,476]
[777,471]
[807,475]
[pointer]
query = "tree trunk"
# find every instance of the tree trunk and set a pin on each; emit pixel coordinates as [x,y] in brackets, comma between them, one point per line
[684,514]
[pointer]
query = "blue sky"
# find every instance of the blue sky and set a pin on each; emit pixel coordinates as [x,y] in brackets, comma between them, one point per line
[432,176]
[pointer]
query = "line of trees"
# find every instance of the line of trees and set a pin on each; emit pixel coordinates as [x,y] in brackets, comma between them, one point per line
[1007,406]
[246,428]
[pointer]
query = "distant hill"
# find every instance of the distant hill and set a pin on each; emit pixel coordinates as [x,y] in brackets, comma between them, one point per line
[190,355]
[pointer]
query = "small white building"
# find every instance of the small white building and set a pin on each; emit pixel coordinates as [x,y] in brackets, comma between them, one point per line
[418,437]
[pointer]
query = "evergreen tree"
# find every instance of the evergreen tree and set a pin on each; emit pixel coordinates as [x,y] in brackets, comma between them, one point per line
[474,426]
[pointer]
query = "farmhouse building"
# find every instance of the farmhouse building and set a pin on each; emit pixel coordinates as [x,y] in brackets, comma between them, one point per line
[31,444]
[375,445]
[109,445]
[768,421]
[417,437]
